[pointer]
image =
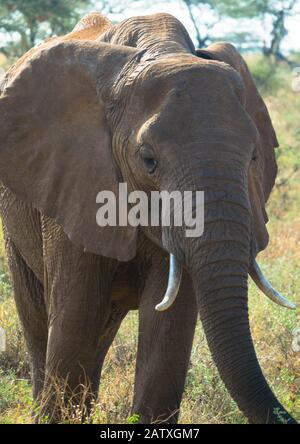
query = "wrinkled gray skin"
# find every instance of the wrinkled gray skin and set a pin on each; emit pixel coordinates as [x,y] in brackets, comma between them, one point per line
[72,303]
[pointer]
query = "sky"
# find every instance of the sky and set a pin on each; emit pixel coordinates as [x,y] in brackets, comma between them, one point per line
[227,26]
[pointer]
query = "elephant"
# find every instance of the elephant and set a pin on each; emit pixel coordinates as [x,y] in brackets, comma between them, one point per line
[136,103]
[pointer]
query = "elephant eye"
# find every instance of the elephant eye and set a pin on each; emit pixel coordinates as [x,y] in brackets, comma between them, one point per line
[254,154]
[149,161]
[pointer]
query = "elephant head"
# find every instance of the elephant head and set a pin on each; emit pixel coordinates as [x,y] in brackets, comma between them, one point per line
[140,105]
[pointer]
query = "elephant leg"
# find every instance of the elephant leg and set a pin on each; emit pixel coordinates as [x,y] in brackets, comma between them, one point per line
[79,372]
[164,348]
[117,314]
[82,323]
[29,298]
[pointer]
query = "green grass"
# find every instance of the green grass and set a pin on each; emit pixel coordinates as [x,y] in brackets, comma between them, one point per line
[205,399]
[15,399]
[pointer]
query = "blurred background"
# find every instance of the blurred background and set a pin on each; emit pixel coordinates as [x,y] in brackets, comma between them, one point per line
[267,33]
[266,26]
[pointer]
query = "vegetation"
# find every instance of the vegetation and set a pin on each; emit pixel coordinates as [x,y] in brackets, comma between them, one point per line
[275,11]
[205,399]
[271,15]
[24,23]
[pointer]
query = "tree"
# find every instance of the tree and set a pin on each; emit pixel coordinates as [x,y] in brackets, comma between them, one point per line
[273,12]
[276,11]
[279,29]
[117,7]
[202,27]
[205,14]
[26,22]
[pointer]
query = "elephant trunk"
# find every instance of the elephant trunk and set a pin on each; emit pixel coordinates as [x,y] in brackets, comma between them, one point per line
[219,263]
[224,314]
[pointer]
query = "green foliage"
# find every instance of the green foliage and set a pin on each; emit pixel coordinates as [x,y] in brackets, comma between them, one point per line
[15,395]
[253,8]
[241,8]
[26,22]
[133,419]
[12,389]
[275,11]
[23,23]
[268,75]
[15,358]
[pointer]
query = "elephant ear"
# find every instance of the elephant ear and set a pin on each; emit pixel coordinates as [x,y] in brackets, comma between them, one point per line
[55,143]
[263,170]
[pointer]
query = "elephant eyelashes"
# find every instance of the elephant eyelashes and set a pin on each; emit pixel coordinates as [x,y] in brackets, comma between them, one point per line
[147,156]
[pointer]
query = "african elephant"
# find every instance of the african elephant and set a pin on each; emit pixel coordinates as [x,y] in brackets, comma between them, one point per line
[135,103]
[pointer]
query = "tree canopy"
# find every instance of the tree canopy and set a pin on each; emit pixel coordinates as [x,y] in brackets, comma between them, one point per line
[25,22]
[277,11]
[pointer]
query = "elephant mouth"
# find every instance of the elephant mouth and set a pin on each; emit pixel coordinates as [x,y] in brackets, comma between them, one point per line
[174,280]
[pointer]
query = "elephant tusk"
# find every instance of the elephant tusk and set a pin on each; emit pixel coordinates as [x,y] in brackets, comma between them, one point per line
[175,273]
[264,285]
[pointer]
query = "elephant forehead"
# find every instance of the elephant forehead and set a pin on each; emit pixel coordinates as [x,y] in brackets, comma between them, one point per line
[173,98]
[185,84]
[186,71]
[174,127]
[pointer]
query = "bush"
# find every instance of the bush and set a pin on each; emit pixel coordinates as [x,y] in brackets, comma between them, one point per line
[268,74]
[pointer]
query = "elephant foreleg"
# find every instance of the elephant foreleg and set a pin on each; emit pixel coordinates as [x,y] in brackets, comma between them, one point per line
[164,347]
[29,298]
[82,323]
